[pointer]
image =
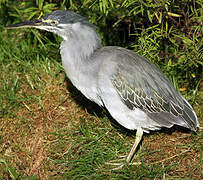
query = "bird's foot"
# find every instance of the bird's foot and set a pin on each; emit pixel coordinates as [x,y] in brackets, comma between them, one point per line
[120,163]
[128,160]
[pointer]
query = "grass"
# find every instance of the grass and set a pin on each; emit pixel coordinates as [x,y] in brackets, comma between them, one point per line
[48,130]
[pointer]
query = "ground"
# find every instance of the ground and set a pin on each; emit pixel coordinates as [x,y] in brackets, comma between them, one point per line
[48,130]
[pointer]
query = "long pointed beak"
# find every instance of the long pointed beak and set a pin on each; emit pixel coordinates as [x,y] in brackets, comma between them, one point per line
[26,24]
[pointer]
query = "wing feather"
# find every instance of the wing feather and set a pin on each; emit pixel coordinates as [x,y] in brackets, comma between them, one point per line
[140,84]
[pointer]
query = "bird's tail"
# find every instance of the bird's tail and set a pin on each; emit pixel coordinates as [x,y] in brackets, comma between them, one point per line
[190,117]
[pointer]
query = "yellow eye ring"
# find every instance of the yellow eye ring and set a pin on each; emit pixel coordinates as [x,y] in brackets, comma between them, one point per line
[54,22]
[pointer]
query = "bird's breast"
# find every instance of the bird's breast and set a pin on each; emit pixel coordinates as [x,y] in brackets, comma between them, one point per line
[82,76]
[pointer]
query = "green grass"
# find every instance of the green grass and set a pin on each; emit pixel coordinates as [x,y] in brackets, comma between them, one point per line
[48,130]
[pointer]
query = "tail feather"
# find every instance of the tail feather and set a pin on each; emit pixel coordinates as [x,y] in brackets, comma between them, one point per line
[187,118]
[190,116]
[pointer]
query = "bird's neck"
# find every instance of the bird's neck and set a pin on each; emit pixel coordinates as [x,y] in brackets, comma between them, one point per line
[77,53]
[80,45]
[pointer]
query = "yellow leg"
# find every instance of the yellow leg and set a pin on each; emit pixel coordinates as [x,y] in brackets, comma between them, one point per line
[130,156]
[138,138]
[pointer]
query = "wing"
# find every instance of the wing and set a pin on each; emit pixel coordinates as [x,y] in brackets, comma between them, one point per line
[140,84]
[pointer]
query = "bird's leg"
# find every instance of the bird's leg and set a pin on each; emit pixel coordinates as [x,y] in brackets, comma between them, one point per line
[130,156]
[138,138]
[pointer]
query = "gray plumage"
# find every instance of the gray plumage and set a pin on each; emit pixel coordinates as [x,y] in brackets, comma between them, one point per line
[135,92]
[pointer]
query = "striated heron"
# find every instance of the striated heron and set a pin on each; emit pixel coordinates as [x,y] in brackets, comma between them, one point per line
[134,91]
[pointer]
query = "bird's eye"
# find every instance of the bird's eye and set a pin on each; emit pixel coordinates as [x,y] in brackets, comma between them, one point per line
[54,23]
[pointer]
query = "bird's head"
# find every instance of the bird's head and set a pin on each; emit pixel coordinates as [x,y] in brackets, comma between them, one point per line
[60,22]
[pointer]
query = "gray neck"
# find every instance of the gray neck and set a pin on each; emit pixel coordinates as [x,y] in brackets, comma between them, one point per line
[81,43]
[77,51]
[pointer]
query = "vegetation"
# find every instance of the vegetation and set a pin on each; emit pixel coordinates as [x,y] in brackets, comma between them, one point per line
[48,130]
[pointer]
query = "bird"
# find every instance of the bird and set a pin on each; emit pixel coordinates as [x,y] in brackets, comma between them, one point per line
[133,90]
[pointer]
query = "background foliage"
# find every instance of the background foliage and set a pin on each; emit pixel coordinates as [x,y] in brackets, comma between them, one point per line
[36,110]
